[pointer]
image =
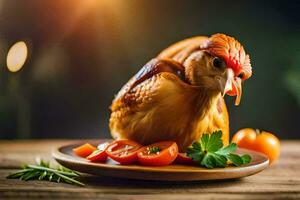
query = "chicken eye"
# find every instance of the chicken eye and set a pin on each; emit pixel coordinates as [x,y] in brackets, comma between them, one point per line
[217,62]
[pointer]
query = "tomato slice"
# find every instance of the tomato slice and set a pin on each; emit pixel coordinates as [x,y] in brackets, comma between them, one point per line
[123,151]
[158,154]
[84,150]
[182,158]
[99,155]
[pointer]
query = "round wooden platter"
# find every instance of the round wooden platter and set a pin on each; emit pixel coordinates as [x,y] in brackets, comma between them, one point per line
[65,156]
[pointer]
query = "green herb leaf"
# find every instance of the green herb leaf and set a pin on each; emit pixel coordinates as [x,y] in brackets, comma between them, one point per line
[215,141]
[204,141]
[208,161]
[210,153]
[197,146]
[221,160]
[227,150]
[195,155]
[43,171]
[246,159]
[235,159]
[154,149]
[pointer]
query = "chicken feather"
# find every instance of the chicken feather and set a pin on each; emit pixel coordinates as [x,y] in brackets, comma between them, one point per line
[175,96]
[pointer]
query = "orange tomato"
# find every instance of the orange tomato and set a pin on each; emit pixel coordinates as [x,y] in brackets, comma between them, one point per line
[158,154]
[263,142]
[84,150]
[123,151]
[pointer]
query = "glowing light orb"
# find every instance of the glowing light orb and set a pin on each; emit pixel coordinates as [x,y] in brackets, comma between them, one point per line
[16,56]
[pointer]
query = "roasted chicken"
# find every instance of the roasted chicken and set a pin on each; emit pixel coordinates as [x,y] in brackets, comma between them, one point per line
[179,94]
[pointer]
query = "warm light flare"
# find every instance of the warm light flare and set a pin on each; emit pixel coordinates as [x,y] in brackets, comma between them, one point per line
[16,56]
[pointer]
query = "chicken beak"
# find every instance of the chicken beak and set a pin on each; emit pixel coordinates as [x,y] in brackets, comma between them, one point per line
[226,81]
[238,88]
[231,85]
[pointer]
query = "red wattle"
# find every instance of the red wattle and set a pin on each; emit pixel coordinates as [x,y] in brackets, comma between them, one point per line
[232,92]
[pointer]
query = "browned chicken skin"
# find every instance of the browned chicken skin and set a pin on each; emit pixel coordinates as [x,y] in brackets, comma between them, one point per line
[178,95]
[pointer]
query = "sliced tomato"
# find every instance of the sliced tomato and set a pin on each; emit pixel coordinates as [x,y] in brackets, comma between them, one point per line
[84,150]
[182,158]
[123,151]
[99,155]
[103,146]
[158,154]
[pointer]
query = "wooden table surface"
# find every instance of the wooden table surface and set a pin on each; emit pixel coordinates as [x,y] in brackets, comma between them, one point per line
[280,181]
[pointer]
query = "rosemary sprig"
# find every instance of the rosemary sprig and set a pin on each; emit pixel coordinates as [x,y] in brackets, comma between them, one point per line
[43,171]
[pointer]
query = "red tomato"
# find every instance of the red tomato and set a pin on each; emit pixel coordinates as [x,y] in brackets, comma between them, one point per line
[84,150]
[158,154]
[182,158]
[123,151]
[99,155]
[263,142]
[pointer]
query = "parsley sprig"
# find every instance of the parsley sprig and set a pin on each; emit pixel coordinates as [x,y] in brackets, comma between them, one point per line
[210,153]
[43,171]
[154,149]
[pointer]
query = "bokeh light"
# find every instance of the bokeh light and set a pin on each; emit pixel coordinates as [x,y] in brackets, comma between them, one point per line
[80,53]
[16,56]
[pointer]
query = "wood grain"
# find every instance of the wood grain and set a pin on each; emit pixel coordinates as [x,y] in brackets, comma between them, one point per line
[280,181]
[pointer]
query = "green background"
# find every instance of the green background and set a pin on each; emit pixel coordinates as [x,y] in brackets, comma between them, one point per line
[82,52]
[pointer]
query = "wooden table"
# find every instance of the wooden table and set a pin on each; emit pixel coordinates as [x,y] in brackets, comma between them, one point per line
[281,181]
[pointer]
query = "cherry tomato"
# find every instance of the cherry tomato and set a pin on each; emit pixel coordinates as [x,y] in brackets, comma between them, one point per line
[263,142]
[245,138]
[182,158]
[158,154]
[84,150]
[123,151]
[99,155]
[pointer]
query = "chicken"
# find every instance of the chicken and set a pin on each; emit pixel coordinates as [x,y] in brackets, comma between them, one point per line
[179,94]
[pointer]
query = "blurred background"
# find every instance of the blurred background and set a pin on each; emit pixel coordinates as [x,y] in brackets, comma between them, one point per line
[62,61]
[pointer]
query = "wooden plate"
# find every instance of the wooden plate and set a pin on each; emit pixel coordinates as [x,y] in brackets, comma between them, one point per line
[65,156]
